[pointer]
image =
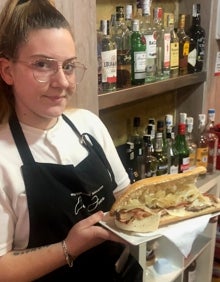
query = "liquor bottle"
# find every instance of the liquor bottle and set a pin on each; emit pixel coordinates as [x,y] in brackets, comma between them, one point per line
[150,35]
[191,144]
[172,153]
[163,46]
[184,43]
[182,148]
[160,154]
[121,35]
[212,141]
[150,161]
[109,59]
[202,143]
[174,48]
[138,55]
[128,16]
[137,140]
[198,34]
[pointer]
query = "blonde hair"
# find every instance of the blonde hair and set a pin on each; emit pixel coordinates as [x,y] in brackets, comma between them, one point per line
[17,19]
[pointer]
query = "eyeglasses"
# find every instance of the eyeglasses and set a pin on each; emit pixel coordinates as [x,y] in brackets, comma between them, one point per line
[44,68]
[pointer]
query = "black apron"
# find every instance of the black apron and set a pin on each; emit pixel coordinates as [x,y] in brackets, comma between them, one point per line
[59,196]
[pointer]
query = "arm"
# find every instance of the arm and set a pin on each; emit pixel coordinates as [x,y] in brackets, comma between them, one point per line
[30,264]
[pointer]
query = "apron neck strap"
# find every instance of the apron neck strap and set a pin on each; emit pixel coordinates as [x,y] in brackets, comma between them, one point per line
[20,140]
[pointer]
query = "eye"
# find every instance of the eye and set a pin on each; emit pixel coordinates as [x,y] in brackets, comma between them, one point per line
[43,65]
[69,67]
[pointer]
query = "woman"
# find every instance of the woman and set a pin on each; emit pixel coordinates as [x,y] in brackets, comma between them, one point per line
[55,179]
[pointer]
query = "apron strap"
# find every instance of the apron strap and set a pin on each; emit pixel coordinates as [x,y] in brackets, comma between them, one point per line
[90,144]
[20,140]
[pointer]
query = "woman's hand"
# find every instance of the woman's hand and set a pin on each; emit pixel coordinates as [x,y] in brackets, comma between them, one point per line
[85,235]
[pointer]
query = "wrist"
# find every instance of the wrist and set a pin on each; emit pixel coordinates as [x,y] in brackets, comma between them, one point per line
[69,258]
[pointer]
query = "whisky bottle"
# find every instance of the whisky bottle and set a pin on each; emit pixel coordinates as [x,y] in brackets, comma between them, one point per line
[184,43]
[149,32]
[174,48]
[138,55]
[212,141]
[109,58]
[198,34]
[191,144]
[182,148]
[121,36]
[202,143]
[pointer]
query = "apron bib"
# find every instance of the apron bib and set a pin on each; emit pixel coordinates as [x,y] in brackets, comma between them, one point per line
[59,196]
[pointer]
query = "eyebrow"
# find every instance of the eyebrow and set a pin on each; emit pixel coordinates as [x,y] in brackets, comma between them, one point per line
[51,58]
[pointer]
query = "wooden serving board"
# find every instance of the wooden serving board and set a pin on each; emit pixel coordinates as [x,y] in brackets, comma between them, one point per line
[169,219]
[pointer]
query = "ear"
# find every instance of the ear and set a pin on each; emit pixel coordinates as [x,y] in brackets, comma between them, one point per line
[5,71]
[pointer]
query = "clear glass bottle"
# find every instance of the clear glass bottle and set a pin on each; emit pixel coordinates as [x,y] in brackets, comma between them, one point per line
[172,153]
[190,141]
[202,143]
[163,46]
[150,161]
[160,154]
[182,148]
[138,55]
[109,58]
[197,32]
[184,43]
[149,32]
[212,141]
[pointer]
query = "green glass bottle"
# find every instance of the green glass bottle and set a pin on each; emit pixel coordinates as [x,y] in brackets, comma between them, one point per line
[182,148]
[138,55]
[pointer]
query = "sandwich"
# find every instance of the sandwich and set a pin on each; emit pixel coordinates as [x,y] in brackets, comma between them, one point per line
[157,201]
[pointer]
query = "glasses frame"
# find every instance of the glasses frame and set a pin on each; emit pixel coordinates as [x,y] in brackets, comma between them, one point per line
[32,64]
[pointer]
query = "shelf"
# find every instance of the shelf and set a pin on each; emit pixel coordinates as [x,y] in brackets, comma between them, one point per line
[135,93]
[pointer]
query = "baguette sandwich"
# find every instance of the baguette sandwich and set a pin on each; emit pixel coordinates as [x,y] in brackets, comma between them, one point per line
[153,202]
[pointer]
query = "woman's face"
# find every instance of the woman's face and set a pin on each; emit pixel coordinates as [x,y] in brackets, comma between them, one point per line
[39,103]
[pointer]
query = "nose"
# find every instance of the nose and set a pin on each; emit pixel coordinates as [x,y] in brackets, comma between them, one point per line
[59,78]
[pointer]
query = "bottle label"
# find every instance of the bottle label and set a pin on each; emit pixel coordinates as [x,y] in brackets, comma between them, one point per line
[192,57]
[185,164]
[173,169]
[109,66]
[139,64]
[174,54]
[151,46]
[166,62]
[202,157]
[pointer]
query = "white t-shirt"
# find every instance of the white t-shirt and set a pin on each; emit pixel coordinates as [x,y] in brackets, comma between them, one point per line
[57,145]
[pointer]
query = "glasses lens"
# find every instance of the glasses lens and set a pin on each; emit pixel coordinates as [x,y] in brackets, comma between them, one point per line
[44,70]
[79,72]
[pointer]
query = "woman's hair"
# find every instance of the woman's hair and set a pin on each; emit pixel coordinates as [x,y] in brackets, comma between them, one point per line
[17,20]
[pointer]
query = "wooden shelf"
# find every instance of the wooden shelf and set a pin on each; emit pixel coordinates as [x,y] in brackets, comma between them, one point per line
[135,93]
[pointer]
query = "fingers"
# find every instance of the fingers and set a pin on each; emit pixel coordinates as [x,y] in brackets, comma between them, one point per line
[91,220]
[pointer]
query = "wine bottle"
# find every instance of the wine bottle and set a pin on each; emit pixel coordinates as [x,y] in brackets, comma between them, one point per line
[182,148]
[109,58]
[197,32]
[138,55]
